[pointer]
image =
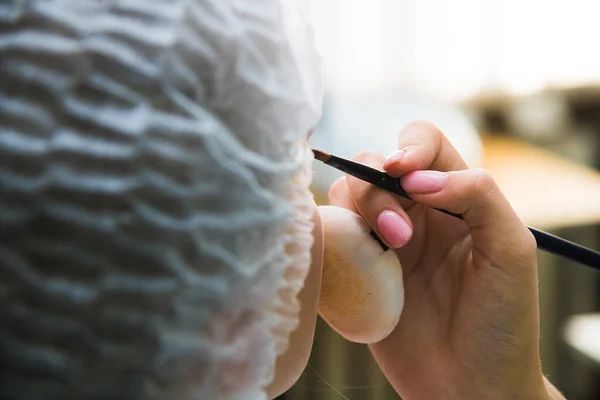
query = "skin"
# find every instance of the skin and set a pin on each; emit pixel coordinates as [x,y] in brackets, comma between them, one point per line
[470,324]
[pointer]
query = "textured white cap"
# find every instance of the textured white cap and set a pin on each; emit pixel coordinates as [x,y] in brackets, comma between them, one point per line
[154,212]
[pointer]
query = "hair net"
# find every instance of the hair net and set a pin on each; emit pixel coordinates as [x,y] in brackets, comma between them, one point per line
[154,207]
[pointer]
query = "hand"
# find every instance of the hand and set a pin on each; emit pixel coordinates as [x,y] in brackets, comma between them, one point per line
[469,328]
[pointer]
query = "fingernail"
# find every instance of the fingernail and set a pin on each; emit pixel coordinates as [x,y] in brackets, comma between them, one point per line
[395,157]
[395,230]
[423,182]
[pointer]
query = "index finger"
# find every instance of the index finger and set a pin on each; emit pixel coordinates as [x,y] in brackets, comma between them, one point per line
[421,145]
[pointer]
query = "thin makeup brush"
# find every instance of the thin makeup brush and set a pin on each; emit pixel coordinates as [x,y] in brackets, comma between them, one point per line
[545,241]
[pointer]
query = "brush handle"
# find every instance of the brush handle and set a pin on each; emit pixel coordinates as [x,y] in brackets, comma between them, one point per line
[567,249]
[544,240]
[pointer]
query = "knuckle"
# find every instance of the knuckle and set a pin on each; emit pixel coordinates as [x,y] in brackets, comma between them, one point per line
[363,192]
[529,245]
[522,248]
[425,127]
[369,157]
[481,182]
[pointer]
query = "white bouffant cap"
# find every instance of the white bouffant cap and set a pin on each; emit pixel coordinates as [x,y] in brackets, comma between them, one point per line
[154,204]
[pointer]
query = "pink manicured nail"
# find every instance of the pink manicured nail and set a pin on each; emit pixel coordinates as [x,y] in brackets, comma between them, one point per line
[395,230]
[395,157]
[423,182]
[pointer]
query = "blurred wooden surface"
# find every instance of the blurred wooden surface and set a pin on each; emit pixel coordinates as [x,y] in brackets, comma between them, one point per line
[547,191]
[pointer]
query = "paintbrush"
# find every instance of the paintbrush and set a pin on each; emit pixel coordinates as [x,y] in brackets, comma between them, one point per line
[545,241]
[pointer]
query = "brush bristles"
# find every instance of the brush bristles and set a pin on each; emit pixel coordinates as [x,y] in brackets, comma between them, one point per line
[321,155]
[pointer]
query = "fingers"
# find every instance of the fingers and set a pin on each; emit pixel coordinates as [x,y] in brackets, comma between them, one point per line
[497,232]
[422,145]
[434,174]
[381,209]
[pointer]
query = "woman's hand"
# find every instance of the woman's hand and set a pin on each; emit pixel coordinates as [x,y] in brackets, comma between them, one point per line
[470,324]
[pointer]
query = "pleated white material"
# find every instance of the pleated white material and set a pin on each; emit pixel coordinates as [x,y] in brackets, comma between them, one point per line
[154,204]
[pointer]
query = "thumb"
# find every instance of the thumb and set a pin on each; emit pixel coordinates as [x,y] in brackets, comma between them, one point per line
[499,237]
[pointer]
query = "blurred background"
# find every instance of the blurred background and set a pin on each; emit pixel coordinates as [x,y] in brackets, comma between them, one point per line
[515,85]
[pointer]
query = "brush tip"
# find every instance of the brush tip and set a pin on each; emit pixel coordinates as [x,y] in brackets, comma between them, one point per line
[321,155]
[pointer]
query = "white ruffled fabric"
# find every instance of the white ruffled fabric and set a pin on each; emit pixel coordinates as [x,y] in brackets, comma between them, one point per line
[154,212]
